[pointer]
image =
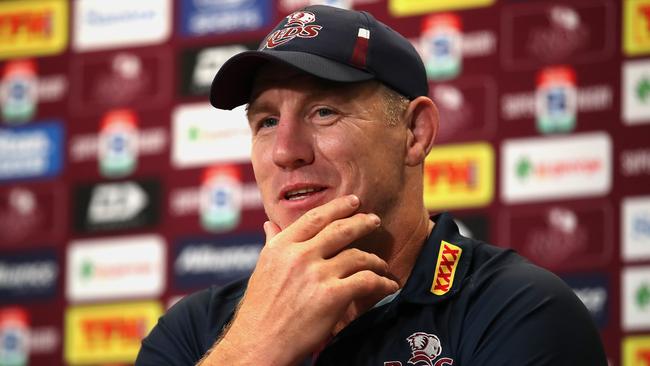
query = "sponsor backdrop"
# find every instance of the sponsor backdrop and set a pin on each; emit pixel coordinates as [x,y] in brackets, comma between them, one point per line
[121,190]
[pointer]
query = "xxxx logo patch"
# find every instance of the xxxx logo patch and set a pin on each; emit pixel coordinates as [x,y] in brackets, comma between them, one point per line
[448,258]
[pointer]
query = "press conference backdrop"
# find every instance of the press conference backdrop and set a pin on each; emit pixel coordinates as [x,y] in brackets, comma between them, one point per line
[122,190]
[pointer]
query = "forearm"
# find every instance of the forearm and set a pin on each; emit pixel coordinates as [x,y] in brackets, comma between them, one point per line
[234,350]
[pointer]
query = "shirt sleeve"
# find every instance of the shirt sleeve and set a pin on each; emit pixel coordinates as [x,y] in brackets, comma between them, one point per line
[524,315]
[179,337]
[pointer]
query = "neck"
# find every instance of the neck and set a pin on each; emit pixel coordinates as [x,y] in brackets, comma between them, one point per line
[406,247]
[399,241]
[407,228]
[400,249]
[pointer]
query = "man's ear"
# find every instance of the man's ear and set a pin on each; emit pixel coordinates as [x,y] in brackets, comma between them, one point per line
[422,123]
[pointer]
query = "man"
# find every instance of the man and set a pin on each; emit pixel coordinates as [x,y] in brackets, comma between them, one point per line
[353,271]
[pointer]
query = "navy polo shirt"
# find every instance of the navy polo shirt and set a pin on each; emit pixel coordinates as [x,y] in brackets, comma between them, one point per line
[465,303]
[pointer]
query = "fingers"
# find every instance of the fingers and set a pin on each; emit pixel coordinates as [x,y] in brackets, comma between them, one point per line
[316,219]
[354,260]
[271,230]
[367,283]
[340,233]
[328,228]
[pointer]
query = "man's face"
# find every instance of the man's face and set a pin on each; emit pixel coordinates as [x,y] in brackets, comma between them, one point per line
[314,141]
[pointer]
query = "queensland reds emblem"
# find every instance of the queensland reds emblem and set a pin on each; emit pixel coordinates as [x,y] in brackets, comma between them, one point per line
[300,18]
[297,26]
[424,350]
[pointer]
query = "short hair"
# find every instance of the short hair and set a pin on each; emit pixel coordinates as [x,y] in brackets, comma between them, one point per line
[394,104]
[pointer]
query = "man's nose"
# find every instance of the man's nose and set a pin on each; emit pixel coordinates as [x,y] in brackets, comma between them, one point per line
[293,144]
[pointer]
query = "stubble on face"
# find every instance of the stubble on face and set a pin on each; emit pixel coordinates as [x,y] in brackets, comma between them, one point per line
[362,157]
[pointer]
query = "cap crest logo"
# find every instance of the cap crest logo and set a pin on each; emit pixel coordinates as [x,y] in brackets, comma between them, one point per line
[297,26]
[300,18]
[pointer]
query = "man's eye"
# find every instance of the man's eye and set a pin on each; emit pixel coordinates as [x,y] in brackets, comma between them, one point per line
[324,112]
[268,122]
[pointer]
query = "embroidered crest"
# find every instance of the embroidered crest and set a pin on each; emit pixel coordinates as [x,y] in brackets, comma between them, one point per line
[298,25]
[424,348]
[300,18]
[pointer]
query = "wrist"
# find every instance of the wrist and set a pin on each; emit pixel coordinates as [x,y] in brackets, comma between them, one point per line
[236,348]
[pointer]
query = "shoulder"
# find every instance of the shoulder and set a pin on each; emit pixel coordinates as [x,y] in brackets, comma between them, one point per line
[493,271]
[502,279]
[500,270]
[520,288]
[503,310]
[190,327]
[522,312]
[208,310]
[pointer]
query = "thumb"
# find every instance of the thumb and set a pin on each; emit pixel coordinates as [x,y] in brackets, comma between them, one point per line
[271,230]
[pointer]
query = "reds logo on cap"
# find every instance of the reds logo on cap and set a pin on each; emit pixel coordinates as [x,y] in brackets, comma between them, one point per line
[297,26]
[300,18]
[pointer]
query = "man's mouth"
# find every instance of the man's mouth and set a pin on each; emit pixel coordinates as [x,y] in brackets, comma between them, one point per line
[297,194]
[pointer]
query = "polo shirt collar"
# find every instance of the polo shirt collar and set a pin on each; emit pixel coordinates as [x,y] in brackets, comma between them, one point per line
[441,267]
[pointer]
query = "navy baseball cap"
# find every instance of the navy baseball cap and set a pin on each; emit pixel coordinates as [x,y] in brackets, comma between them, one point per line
[329,43]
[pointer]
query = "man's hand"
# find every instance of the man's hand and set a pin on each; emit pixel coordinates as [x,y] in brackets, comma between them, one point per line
[304,283]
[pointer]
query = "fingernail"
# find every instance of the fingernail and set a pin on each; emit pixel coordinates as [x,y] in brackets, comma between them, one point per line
[375,219]
[354,200]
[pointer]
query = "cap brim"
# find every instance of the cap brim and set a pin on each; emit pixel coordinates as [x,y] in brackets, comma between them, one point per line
[232,85]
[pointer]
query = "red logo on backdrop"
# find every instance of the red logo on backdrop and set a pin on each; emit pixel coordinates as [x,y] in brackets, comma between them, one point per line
[643,355]
[19,214]
[561,237]
[456,173]
[14,336]
[297,26]
[100,332]
[28,215]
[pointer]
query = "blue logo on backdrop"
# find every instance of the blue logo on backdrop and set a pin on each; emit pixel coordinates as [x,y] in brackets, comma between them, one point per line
[641,225]
[111,19]
[31,151]
[593,290]
[200,17]
[556,101]
[27,276]
[215,260]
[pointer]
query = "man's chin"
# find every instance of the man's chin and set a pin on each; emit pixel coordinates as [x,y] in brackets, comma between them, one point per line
[288,219]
